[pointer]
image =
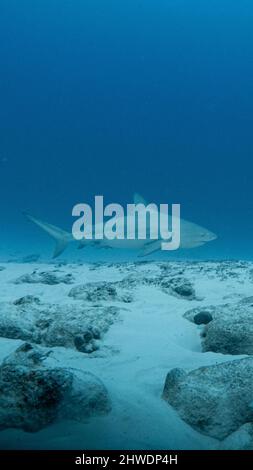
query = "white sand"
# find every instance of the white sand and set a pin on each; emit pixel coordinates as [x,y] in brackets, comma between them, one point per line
[150,338]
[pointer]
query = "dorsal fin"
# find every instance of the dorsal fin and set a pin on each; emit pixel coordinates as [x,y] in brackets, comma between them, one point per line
[138,199]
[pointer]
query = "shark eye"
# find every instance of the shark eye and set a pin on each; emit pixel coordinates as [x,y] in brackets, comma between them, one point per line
[202,235]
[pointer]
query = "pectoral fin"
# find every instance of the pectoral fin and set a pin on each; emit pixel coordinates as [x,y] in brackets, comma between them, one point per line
[60,246]
[150,248]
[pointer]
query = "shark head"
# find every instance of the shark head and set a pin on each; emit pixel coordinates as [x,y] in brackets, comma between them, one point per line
[207,236]
[193,235]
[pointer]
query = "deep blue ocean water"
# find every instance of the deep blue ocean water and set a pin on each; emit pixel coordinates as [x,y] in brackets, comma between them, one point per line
[112,97]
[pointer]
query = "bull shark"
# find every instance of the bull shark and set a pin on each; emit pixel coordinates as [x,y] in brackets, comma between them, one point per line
[191,236]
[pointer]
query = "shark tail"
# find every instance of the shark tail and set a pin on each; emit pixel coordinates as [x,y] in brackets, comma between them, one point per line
[61,237]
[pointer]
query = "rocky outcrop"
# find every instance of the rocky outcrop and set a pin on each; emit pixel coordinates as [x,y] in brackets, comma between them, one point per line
[242,439]
[49,277]
[87,341]
[69,322]
[210,311]
[214,400]
[29,319]
[100,291]
[33,395]
[180,287]
[173,285]
[229,334]
[26,300]
[230,330]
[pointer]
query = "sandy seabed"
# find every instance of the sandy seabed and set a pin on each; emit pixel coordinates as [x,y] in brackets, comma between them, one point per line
[146,338]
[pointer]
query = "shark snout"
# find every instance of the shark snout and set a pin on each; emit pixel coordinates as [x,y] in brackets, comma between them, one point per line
[210,237]
[213,236]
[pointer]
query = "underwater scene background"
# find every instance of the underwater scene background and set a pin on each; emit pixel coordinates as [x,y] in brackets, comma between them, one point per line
[117,97]
[100,349]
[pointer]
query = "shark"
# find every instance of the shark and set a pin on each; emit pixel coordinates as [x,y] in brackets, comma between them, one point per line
[191,236]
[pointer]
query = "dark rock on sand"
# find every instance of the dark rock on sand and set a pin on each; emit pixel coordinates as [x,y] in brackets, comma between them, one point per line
[100,291]
[26,300]
[33,395]
[180,287]
[231,331]
[54,324]
[231,328]
[85,342]
[215,400]
[203,318]
[48,278]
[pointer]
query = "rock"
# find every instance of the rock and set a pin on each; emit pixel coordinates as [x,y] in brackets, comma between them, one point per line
[68,322]
[26,355]
[231,328]
[215,400]
[27,299]
[96,332]
[203,318]
[231,331]
[33,395]
[94,292]
[79,342]
[54,324]
[242,439]
[86,342]
[87,336]
[184,290]
[100,291]
[210,310]
[247,301]
[87,397]
[85,346]
[180,287]
[12,325]
[48,278]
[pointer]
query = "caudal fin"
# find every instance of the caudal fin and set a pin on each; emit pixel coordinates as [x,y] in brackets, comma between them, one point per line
[61,237]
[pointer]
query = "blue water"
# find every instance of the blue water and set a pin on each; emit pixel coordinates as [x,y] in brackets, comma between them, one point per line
[112,97]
